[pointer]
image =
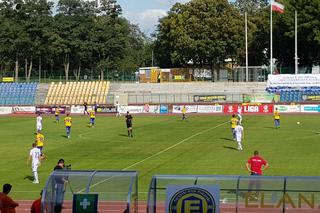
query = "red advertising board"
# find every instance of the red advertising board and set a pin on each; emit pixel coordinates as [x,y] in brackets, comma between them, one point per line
[248,108]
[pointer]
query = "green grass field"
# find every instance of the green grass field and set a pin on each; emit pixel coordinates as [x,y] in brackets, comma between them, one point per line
[161,145]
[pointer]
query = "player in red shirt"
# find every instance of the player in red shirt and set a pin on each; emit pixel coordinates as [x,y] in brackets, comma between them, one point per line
[255,165]
[7,205]
[36,205]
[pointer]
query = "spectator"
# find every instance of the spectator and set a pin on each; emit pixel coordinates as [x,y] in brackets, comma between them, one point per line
[7,205]
[36,205]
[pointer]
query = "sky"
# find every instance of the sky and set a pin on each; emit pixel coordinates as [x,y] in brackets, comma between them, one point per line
[146,13]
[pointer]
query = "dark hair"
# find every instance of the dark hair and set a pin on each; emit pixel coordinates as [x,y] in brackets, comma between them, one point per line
[61,161]
[6,188]
[233,115]
[256,152]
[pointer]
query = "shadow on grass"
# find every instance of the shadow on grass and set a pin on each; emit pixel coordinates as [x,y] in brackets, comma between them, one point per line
[229,147]
[123,135]
[226,139]
[28,177]
[64,136]
[269,127]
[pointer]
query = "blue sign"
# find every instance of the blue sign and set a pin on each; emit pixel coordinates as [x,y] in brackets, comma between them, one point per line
[186,199]
[164,109]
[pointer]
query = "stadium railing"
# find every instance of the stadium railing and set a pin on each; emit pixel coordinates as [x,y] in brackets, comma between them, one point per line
[239,193]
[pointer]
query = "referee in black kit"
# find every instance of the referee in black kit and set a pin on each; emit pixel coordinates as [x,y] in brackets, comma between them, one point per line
[129,124]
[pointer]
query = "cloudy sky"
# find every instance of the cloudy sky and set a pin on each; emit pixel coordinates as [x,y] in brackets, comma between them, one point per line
[146,13]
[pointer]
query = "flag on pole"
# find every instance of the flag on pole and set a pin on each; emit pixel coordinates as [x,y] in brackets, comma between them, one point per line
[277,7]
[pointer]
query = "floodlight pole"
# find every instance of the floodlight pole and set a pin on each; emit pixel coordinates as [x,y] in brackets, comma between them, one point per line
[271,44]
[246,32]
[296,42]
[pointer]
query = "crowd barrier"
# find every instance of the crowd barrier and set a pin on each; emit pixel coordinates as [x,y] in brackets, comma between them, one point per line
[244,108]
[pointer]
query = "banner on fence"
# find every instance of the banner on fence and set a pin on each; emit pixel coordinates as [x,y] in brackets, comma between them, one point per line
[248,108]
[62,110]
[288,80]
[189,108]
[310,98]
[106,109]
[209,98]
[24,110]
[5,110]
[131,109]
[210,109]
[310,108]
[151,108]
[288,108]
[258,98]
[164,109]
[44,110]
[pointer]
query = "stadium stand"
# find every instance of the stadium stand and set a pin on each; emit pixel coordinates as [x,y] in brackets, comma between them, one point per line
[289,94]
[77,93]
[17,93]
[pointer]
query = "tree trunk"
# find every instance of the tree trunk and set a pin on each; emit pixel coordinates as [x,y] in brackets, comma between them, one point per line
[39,69]
[66,65]
[77,73]
[30,69]
[26,68]
[16,75]
[101,74]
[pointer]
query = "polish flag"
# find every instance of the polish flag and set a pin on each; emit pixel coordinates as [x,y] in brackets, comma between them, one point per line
[277,7]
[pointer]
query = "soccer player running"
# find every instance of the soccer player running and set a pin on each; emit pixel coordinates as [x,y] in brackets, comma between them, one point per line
[92,118]
[39,122]
[117,105]
[184,112]
[35,157]
[68,123]
[239,135]
[255,165]
[233,122]
[57,114]
[40,142]
[85,111]
[129,124]
[276,114]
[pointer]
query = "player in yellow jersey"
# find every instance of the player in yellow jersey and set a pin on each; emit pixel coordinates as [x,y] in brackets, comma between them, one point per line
[68,123]
[92,118]
[184,112]
[57,114]
[40,141]
[276,118]
[233,122]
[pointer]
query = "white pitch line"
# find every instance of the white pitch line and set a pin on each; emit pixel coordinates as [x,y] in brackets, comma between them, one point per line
[160,152]
[174,145]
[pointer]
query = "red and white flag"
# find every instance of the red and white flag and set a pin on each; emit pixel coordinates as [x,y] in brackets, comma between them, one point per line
[277,7]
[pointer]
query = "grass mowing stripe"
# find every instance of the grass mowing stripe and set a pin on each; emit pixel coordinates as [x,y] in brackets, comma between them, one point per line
[160,152]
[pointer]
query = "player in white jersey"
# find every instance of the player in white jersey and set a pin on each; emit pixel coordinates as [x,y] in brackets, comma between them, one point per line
[34,157]
[239,135]
[239,117]
[117,105]
[39,122]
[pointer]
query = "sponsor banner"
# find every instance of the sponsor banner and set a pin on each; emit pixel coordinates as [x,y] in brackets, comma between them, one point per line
[77,109]
[310,108]
[190,108]
[314,98]
[7,79]
[248,108]
[44,110]
[287,108]
[106,109]
[62,110]
[5,110]
[210,108]
[258,98]
[131,109]
[24,110]
[151,108]
[164,109]
[288,80]
[191,198]
[209,98]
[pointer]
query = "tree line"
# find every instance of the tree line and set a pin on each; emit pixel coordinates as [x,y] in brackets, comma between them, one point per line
[82,38]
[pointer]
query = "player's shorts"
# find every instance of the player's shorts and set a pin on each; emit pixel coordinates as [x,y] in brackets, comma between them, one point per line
[68,128]
[35,167]
[92,120]
[40,148]
[129,125]
[238,139]
[39,127]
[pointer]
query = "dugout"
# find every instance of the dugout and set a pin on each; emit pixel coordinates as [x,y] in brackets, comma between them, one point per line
[234,194]
[90,191]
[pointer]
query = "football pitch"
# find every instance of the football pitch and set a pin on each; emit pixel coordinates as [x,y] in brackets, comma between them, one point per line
[161,145]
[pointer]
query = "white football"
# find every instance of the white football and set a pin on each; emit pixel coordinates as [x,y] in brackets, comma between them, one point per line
[298,122]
